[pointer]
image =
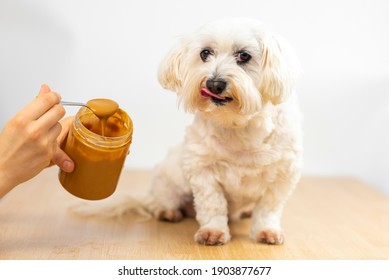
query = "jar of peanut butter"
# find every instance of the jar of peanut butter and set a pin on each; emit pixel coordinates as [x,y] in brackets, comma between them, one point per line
[98,159]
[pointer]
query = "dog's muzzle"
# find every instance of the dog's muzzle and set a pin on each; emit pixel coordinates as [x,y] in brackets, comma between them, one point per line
[214,89]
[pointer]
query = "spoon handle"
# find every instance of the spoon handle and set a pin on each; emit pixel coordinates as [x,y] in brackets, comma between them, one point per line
[68,103]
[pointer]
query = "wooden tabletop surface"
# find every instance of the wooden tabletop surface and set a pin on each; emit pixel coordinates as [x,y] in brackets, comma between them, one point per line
[326,218]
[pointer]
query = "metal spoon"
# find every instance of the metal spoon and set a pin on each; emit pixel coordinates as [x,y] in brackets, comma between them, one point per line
[102,108]
[68,103]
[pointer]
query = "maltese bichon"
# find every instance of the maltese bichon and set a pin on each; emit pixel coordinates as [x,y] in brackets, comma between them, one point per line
[243,153]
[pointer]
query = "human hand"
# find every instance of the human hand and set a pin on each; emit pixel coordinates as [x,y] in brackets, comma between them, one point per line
[60,158]
[30,141]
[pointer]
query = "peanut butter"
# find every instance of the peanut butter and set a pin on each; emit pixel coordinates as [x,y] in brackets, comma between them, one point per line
[103,109]
[98,159]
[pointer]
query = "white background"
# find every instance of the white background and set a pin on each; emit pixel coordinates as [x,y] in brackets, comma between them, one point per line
[89,49]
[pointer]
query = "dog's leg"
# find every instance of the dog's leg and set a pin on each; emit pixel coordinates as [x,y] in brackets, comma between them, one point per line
[165,198]
[169,190]
[211,211]
[266,227]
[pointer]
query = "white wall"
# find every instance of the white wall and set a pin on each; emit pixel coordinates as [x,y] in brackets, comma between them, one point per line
[88,49]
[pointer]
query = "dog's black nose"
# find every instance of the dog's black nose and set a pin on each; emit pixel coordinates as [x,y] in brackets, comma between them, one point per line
[216,85]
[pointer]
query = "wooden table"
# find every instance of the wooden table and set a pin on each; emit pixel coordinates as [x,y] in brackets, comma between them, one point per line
[326,218]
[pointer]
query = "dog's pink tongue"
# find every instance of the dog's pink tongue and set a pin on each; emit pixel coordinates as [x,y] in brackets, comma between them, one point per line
[207,93]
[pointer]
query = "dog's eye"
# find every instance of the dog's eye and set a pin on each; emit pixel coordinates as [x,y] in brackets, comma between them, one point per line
[204,54]
[242,57]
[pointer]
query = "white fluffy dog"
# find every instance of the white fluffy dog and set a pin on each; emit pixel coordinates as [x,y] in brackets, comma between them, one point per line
[243,153]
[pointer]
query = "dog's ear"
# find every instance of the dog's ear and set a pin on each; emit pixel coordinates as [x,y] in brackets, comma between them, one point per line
[279,69]
[170,69]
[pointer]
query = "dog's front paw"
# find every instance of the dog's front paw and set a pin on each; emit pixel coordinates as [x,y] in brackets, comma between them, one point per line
[212,236]
[270,236]
[169,215]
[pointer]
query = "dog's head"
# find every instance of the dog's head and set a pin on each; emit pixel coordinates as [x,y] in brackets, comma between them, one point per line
[229,66]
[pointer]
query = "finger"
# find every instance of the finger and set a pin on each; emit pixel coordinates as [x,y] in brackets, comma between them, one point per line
[66,124]
[35,109]
[63,161]
[51,117]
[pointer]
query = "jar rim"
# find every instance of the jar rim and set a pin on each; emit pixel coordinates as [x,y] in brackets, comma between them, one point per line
[97,139]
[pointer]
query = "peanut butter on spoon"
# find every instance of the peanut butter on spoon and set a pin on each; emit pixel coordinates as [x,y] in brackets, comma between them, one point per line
[103,108]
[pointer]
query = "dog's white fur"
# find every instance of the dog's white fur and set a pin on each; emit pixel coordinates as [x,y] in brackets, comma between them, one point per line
[244,156]
[240,157]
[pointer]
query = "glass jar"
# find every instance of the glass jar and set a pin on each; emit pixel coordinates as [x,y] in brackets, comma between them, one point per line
[98,159]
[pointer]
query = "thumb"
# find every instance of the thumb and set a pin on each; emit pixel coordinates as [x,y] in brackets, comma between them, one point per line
[44,89]
[63,161]
[66,124]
